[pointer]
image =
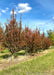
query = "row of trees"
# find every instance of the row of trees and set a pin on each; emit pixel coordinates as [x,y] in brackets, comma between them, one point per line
[15,39]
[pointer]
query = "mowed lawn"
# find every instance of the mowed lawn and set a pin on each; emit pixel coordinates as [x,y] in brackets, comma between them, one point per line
[43,65]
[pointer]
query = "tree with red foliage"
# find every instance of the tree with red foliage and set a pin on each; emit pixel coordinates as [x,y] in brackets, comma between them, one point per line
[16,39]
[46,42]
[12,39]
[27,38]
[1,39]
[34,41]
[37,40]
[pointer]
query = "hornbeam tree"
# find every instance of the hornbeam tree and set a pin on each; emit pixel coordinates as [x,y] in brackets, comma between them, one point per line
[17,39]
[46,42]
[1,39]
[34,41]
[1,34]
[12,35]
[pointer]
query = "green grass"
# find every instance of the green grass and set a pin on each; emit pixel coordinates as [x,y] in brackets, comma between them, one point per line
[37,66]
[22,52]
[5,51]
[5,54]
[52,47]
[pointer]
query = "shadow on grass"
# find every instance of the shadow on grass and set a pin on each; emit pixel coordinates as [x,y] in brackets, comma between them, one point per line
[5,51]
[5,56]
[17,54]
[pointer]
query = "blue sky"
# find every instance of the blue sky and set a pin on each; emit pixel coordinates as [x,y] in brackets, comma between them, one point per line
[35,13]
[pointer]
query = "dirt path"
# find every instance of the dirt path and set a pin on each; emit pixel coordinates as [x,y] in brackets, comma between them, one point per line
[6,63]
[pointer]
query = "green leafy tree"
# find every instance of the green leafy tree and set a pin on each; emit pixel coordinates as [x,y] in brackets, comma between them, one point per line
[51,36]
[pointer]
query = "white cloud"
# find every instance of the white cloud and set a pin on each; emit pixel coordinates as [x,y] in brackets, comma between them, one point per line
[11,12]
[4,11]
[53,18]
[21,8]
[24,7]
[14,12]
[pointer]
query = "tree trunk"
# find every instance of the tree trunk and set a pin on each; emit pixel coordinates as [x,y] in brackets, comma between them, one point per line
[12,57]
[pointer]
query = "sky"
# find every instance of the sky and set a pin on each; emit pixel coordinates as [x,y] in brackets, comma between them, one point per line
[35,13]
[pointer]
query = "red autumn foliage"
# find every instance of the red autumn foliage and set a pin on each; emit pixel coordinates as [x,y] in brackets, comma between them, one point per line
[46,42]
[17,39]
[1,34]
[1,39]
[12,35]
[35,41]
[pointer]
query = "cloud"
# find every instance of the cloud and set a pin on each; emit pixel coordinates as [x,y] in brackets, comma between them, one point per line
[24,7]
[14,12]
[4,11]
[53,18]
[21,8]
[42,24]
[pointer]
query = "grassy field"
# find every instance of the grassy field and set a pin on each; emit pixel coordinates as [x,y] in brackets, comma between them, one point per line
[43,65]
